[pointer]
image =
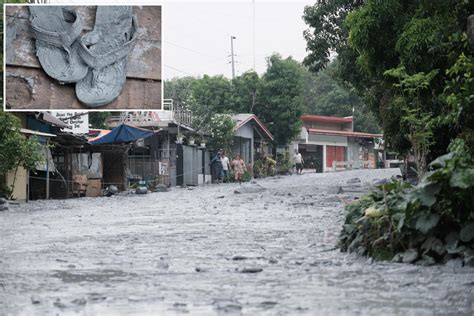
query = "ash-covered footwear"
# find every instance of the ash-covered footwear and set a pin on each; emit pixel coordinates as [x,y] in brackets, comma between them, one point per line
[55,29]
[105,51]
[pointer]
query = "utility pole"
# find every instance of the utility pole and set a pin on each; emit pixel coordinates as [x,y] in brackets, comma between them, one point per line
[353,111]
[232,38]
[253,2]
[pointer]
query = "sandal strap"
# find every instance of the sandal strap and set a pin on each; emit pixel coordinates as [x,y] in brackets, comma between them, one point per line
[98,61]
[60,39]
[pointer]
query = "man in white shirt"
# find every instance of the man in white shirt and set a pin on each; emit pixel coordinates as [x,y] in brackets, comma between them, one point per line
[225,166]
[299,162]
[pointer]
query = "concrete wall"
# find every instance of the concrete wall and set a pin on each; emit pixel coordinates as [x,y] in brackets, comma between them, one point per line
[245,131]
[20,192]
[244,146]
[327,140]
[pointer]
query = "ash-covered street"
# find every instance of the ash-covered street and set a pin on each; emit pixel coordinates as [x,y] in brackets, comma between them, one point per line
[267,250]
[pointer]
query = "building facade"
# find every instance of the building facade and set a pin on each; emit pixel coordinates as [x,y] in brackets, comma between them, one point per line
[330,144]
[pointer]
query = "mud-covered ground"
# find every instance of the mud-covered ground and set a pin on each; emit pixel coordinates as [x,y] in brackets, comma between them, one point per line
[267,250]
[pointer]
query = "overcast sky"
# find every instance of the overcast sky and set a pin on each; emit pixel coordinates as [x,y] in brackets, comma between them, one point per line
[196,34]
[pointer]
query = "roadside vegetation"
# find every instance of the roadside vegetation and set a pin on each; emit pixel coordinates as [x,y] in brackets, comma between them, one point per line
[412,63]
[16,150]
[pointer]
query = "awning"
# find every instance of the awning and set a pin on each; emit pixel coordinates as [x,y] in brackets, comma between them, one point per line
[123,134]
[101,134]
[31,132]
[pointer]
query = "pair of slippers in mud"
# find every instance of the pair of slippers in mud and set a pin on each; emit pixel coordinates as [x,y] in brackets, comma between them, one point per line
[95,61]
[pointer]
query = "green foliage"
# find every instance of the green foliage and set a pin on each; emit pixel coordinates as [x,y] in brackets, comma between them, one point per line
[180,90]
[434,220]
[277,97]
[327,33]
[221,132]
[459,99]
[264,167]
[247,90]
[282,95]
[97,119]
[284,164]
[376,41]
[323,95]
[16,150]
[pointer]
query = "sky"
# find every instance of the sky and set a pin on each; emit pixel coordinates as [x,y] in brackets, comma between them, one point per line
[197,35]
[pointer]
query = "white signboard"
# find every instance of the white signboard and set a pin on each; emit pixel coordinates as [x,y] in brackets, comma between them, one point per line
[163,168]
[79,121]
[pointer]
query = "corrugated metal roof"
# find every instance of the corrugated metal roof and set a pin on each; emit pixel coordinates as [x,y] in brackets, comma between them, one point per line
[32,132]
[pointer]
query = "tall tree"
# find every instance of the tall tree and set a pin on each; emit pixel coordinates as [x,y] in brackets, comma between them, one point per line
[323,95]
[210,95]
[282,98]
[389,47]
[180,90]
[246,91]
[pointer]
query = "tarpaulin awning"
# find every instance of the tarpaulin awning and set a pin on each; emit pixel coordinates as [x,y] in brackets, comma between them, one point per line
[123,134]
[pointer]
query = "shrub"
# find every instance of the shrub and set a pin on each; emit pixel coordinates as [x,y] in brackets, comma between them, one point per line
[430,222]
[284,163]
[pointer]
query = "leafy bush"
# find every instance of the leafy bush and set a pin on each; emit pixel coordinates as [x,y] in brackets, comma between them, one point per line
[264,167]
[427,223]
[284,164]
[246,177]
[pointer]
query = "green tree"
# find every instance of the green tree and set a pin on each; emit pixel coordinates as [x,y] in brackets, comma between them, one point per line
[246,92]
[180,90]
[210,95]
[97,119]
[323,95]
[420,36]
[16,150]
[282,98]
[221,131]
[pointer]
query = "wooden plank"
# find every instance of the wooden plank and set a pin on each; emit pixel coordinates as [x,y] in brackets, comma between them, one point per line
[144,61]
[31,88]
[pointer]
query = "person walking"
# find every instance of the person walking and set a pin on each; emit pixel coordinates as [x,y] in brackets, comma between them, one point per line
[238,165]
[216,168]
[298,162]
[225,167]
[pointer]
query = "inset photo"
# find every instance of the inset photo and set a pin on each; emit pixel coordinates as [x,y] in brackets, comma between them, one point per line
[82,57]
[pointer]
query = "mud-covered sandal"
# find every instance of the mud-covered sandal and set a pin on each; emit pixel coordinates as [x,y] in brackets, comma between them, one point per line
[55,29]
[105,51]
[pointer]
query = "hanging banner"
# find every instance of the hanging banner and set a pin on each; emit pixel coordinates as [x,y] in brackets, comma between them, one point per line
[79,121]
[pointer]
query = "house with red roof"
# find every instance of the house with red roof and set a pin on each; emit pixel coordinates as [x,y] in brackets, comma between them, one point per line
[330,143]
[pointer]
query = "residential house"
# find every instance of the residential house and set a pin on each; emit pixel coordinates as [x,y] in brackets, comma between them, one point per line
[35,183]
[251,138]
[330,144]
[163,156]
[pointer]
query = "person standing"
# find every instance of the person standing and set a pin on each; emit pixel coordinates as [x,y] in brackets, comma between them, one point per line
[299,162]
[225,166]
[238,165]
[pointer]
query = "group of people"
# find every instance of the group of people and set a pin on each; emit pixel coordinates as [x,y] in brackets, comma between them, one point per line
[221,167]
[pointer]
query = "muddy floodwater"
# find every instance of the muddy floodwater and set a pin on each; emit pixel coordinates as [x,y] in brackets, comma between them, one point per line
[263,248]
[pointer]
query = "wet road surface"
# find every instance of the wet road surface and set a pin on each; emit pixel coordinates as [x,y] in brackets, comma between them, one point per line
[266,249]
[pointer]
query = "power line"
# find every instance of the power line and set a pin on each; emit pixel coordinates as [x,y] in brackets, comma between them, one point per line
[179,70]
[195,51]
